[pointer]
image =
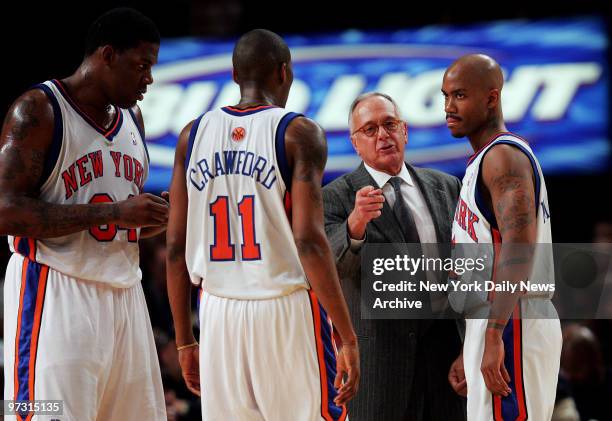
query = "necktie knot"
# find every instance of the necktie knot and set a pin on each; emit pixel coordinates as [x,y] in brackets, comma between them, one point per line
[396,183]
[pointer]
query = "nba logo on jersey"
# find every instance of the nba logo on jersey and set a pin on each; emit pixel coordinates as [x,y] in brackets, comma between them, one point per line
[238,134]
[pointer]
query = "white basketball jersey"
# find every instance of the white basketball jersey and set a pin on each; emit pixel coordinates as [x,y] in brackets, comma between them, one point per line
[239,238]
[89,164]
[474,223]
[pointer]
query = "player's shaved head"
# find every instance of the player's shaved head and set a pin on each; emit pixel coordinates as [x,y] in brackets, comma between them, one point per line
[258,54]
[477,70]
[472,88]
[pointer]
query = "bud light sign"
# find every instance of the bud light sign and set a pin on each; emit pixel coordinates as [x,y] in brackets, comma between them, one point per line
[555,92]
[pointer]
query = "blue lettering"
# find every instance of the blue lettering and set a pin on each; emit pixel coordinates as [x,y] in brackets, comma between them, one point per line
[233,162]
[240,161]
[545,211]
[230,160]
[259,168]
[195,184]
[204,170]
[218,165]
[248,167]
[269,181]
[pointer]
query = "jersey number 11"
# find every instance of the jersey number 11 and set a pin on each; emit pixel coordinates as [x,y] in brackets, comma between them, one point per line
[223,250]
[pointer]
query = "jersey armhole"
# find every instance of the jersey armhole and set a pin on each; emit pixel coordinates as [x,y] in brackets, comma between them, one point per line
[142,137]
[192,134]
[480,202]
[281,153]
[58,134]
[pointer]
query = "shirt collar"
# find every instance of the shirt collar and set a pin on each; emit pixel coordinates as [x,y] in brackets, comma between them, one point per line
[382,178]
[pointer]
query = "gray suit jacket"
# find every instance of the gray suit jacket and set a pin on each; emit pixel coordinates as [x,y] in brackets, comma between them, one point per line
[404,363]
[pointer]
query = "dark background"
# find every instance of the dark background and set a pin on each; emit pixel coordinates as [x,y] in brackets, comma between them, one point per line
[43,41]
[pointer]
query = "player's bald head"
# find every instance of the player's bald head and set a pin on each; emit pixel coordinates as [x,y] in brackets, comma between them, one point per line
[472,95]
[257,54]
[477,70]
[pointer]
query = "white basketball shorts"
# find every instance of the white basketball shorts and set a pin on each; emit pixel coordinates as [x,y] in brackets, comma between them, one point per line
[267,359]
[532,354]
[86,344]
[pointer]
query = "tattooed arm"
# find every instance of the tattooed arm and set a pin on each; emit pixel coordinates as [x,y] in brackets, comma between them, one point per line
[24,142]
[306,148]
[509,184]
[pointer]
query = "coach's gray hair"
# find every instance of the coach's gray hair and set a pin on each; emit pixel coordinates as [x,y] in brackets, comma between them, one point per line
[367,95]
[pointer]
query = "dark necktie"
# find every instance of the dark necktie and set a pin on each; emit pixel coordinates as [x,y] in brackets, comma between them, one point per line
[403,214]
[411,236]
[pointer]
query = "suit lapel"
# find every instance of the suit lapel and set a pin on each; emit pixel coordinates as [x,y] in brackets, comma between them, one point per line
[386,223]
[436,200]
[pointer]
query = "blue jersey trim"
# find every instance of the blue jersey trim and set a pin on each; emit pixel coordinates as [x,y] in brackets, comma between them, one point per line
[192,133]
[110,136]
[58,134]
[281,155]
[490,141]
[109,133]
[482,206]
[142,137]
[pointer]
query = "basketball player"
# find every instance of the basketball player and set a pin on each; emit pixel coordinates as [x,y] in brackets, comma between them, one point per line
[246,224]
[511,362]
[72,168]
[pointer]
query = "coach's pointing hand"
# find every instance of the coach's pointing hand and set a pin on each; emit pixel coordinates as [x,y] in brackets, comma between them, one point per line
[368,205]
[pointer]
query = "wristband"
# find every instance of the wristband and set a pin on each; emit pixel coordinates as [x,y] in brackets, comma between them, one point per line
[180,348]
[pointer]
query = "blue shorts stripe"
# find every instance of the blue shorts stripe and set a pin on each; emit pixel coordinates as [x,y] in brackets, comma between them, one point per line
[510,410]
[335,411]
[23,246]
[512,407]
[32,293]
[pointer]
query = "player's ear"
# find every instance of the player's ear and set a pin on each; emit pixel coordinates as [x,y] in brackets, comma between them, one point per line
[107,53]
[284,73]
[494,98]
[234,77]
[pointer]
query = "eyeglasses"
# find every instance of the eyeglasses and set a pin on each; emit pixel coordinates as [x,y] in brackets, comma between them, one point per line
[371,129]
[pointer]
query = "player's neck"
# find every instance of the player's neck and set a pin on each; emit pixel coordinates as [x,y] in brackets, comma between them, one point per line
[252,96]
[482,136]
[84,88]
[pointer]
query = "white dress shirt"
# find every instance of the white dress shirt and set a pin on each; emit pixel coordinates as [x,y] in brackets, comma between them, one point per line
[412,196]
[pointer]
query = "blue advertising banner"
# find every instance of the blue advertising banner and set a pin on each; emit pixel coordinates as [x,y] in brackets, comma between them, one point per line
[555,94]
